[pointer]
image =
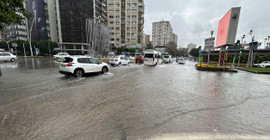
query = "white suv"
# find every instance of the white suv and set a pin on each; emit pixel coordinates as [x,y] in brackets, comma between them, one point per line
[80,65]
[7,56]
[265,64]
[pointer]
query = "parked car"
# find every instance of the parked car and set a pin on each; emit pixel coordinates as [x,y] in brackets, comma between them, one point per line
[181,60]
[80,65]
[265,64]
[126,61]
[60,56]
[139,59]
[7,56]
[167,59]
[131,59]
[117,60]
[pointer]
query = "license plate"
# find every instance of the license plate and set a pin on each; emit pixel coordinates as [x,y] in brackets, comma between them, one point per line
[63,65]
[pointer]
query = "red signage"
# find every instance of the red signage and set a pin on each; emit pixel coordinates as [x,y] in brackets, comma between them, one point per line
[221,61]
[223,29]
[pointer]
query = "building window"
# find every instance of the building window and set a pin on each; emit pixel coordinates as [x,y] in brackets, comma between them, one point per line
[117,28]
[128,16]
[128,10]
[111,22]
[111,16]
[111,11]
[116,16]
[134,10]
[134,4]
[133,22]
[134,16]
[110,5]
[128,4]
[133,28]
[128,22]
[133,40]
[117,22]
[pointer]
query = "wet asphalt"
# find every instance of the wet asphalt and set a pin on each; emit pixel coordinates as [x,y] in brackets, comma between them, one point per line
[169,101]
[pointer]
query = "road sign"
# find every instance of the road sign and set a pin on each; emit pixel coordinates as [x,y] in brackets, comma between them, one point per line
[226,57]
[14,45]
[202,53]
[201,59]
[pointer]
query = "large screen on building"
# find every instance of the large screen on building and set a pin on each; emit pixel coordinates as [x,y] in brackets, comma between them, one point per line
[223,29]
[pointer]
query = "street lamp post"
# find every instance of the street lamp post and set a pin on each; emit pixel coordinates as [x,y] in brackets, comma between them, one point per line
[265,42]
[251,47]
[7,41]
[241,49]
[29,33]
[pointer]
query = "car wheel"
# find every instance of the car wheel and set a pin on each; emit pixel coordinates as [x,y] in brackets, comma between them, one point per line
[12,59]
[119,64]
[78,73]
[104,70]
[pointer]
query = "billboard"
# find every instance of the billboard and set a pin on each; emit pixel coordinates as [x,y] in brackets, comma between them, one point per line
[209,43]
[227,27]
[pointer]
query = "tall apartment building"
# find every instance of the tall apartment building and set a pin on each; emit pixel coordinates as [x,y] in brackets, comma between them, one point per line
[126,22]
[15,32]
[162,33]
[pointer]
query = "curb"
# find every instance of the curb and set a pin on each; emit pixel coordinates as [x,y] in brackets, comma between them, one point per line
[255,72]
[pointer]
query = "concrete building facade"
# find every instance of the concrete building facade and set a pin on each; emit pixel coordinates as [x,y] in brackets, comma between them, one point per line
[145,40]
[126,22]
[162,33]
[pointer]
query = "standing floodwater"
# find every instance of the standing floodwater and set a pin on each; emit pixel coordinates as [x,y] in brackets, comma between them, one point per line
[131,102]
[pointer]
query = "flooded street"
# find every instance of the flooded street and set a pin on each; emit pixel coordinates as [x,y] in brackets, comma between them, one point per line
[170,101]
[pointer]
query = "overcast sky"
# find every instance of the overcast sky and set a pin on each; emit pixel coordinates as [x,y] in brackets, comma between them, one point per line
[192,20]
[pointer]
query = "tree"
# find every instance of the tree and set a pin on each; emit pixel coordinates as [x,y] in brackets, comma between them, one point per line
[194,52]
[172,48]
[149,45]
[8,15]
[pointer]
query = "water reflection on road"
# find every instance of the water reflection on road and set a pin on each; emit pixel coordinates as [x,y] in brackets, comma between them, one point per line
[134,102]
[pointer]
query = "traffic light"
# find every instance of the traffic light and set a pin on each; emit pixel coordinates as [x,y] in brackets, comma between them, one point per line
[238,43]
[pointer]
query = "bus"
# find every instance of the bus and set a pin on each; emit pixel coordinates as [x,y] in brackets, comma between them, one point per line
[152,58]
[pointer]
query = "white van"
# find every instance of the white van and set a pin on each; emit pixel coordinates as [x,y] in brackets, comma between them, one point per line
[152,58]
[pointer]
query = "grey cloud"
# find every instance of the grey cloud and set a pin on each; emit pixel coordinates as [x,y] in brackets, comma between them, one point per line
[193,20]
